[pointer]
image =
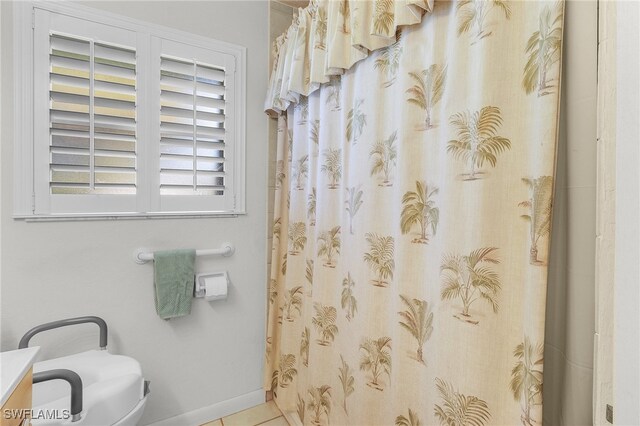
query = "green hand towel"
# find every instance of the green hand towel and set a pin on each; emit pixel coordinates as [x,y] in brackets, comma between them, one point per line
[173,280]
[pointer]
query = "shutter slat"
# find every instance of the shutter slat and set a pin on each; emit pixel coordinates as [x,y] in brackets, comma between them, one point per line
[113,125]
[188,190]
[72,120]
[69,44]
[66,107]
[185,101]
[210,90]
[72,189]
[111,177]
[210,178]
[69,176]
[113,71]
[185,147]
[210,165]
[69,62]
[212,150]
[168,130]
[69,139]
[176,162]
[209,74]
[180,177]
[119,161]
[176,66]
[113,144]
[68,159]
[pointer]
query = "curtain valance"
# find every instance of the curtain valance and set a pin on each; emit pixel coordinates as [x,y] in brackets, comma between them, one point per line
[329,37]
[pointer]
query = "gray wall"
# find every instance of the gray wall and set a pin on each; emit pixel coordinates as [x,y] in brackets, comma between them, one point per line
[63,269]
[570,319]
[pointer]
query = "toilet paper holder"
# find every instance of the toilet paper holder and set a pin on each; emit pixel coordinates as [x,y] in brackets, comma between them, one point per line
[200,282]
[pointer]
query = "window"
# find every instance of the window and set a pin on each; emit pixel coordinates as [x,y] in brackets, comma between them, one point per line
[195,126]
[127,119]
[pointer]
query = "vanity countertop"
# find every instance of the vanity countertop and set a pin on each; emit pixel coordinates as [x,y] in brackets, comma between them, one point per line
[13,366]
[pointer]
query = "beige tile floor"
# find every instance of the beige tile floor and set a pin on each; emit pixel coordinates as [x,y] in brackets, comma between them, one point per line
[266,414]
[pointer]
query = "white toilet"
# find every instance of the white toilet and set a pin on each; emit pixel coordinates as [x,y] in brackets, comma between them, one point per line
[112,391]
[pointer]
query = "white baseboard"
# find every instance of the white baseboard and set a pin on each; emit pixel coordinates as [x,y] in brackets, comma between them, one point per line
[215,411]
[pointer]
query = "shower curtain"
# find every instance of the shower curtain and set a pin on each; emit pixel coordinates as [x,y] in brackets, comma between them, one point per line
[414,179]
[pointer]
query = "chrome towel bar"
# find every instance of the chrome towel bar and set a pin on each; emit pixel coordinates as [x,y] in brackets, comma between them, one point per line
[142,256]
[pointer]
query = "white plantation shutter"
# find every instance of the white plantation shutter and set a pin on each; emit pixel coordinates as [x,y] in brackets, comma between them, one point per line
[92,119]
[86,135]
[196,125]
[192,109]
[128,122]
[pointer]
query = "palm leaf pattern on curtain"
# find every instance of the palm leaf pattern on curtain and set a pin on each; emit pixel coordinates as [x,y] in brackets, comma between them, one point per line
[383,18]
[277,226]
[348,300]
[300,171]
[356,120]
[283,269]
[385,155]
[353,203]
[319,402]
[347,380]
[311,207]
[297,237]
[308,273]
[427,90]
[478,141]
[539,217]
[417,319]
[470,278]
[304,346]
[335,92]
[280,175]
[526,377]
[314,135]
[269,345]
[292,302]
[458,409]
[345,12]
[388,61]
[287,370]
[300,406]
[418,207]
[290,144]
[274,382]
[273,291]
[325,323]
[380,257]
[320,28]
[376,359]
[473,13]
[276,100]
[329,245]
[543,48]
[302,108]
[412,420]
[332,166]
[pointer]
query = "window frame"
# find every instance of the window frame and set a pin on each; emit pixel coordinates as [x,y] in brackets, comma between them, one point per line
[148,198]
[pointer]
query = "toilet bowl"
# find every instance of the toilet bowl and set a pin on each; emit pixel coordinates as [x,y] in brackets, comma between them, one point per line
[113,391]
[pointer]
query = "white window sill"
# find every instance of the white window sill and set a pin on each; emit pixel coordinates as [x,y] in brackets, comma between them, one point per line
[127,216]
